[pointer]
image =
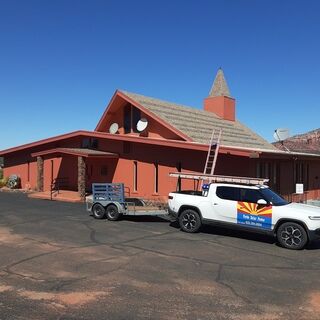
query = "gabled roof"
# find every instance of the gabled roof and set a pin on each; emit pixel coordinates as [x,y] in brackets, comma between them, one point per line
[219,87]
[113,108]
[198,124]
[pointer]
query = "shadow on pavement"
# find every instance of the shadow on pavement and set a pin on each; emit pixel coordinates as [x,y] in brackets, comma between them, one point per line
[145,218]
[140,218]
[220,231]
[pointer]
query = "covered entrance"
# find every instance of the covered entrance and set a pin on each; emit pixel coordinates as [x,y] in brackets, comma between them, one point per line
[73,169]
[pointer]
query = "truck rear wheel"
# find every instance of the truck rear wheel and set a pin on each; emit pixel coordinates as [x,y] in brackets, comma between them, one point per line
[292,236]
[98,211]
[113,213]
[189,221]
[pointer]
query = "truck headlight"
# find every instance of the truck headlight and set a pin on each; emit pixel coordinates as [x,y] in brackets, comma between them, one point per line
[314,217]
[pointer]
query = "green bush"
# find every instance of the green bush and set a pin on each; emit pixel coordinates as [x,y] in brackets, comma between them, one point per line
[3,182]
[1,173]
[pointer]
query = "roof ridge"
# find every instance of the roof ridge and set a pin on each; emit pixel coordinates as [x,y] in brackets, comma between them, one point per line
[305,134]
[170,103]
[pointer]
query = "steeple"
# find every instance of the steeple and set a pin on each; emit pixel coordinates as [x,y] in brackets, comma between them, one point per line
[219,100]
[219,87]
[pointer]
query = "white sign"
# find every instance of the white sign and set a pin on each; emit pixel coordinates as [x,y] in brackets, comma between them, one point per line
[299,188]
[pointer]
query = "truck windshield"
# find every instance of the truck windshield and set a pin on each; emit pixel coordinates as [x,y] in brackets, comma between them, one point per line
[272,197]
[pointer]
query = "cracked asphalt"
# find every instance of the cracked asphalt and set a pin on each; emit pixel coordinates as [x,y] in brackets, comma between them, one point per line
[57,262]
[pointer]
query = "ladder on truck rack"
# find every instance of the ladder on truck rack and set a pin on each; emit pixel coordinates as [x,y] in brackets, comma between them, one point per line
[213,152]
[221,179]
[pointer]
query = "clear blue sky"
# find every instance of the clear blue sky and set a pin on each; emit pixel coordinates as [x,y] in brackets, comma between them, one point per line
[61,60]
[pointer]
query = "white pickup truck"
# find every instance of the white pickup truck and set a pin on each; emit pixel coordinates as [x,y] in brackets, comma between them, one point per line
[251,208]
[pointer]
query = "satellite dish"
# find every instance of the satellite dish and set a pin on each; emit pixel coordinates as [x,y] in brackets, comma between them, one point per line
[142,124]
[114,128]
[281,134]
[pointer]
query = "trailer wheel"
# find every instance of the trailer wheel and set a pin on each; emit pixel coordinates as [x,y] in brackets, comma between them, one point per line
[98,211]
[113,213]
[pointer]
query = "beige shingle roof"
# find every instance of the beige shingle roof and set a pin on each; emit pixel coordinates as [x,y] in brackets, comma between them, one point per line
[198,124]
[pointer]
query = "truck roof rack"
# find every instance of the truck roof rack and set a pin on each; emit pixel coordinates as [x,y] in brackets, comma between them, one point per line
[217,178]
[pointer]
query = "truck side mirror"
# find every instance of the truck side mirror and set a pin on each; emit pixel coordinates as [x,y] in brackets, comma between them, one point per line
[262,201]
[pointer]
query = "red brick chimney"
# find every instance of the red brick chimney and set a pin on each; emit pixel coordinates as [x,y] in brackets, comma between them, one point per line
[220,101]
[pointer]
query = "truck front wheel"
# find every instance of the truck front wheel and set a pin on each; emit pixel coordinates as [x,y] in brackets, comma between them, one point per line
[292,236]
[189,221]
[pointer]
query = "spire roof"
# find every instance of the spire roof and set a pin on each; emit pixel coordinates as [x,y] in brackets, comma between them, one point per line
[219,87]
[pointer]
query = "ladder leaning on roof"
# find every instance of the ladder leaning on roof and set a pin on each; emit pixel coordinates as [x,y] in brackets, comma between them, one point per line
[212,152]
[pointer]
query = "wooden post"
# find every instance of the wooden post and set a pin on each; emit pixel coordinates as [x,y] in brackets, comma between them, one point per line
[81,177]
[39,173]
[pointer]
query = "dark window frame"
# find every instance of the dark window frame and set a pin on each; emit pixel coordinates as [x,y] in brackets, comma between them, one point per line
[239,194]
[127,118]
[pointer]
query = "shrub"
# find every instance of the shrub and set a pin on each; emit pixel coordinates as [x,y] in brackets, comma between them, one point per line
[1,173]
[3,182]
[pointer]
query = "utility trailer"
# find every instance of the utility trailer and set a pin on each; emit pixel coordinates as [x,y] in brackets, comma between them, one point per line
[108,201]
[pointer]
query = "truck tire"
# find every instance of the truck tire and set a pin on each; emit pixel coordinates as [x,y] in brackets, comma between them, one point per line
[292,236]
[189,221]
[113,213]
[98,211]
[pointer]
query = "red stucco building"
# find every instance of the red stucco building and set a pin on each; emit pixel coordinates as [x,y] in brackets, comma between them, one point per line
[176,139]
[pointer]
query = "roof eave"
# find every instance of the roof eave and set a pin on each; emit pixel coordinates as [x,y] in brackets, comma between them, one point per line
[155,141]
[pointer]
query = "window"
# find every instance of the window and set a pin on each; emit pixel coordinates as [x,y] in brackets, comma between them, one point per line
[131,116]
[127,119]
[228,193]
[89,143]
[264,170]
[179,167]
[104,171]
[156,178]
[301,174]
[250,195]
[94,143]
[136,116]
[239,194]
[135,176]
[272,197]
[28,171]
[85,143]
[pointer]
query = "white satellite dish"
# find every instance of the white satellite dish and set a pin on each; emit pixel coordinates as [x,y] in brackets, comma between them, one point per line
[142,124]
[114,128]
[281,134]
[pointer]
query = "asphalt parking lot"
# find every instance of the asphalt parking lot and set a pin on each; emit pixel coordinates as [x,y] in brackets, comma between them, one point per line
[57,262]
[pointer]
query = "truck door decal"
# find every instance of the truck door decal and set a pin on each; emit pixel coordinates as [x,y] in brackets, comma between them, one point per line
[254,215]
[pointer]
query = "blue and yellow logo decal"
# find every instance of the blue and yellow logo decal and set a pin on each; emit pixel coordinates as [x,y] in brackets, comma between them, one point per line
[254,215]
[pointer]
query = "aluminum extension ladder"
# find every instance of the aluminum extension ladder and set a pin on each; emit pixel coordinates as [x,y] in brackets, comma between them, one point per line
[212,152]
